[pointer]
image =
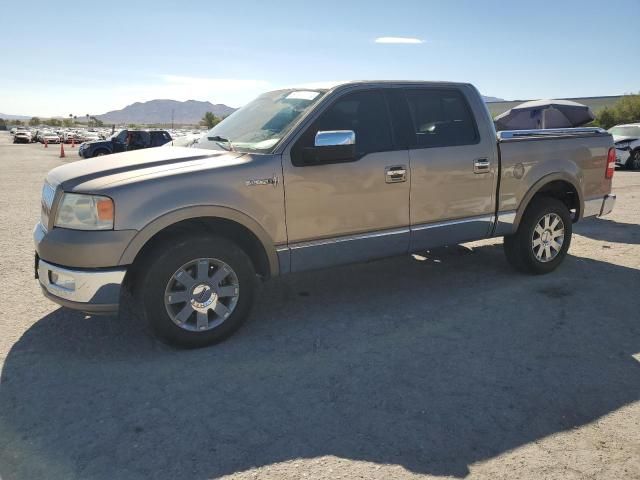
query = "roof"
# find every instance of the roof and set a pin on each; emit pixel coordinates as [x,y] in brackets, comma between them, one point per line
[328,85]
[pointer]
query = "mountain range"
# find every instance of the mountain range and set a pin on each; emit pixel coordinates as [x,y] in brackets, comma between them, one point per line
[165,111]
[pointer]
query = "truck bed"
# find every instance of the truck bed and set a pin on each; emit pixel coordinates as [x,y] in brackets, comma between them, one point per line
[527,156]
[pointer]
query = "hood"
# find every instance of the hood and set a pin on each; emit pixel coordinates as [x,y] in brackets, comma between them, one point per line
[120,167]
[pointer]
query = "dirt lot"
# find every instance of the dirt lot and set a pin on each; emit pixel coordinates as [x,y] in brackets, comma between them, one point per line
[453,366]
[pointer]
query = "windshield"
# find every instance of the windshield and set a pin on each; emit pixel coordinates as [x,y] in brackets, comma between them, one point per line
[625,131]
[259,125]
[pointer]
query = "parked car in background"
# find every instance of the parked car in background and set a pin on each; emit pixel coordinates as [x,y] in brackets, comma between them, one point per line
[70,137]
[124,141]
[90,136]
[187,140]
[22,137]
[49,137]
[301,179]
[627,142]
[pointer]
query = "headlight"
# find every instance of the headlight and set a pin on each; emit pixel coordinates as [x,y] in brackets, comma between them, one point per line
[85,212]
[622,145]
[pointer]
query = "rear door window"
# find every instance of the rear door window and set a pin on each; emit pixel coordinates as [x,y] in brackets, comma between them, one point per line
[441,118]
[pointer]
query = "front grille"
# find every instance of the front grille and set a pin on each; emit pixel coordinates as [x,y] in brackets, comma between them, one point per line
[48,194]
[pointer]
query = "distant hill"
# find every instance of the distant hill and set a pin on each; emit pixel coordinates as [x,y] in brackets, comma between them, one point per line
[14,117]
[160,111]
[492,99]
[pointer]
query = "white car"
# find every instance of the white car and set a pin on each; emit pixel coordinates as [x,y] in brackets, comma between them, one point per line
[22,137]
[90,137]
[626,139]
[49,137]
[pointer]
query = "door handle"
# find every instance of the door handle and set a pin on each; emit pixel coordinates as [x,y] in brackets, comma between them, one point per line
[481,165]
[395,174]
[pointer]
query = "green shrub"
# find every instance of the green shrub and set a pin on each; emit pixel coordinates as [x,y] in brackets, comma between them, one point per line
[625,110]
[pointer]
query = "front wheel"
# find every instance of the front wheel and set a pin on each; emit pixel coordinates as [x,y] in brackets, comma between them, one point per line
[197,291]
[543,237]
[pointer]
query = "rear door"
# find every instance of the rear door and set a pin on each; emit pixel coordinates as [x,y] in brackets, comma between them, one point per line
[347,212]
[453,167]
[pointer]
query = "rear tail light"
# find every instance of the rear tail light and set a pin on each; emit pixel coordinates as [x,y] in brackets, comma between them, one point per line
[611,163]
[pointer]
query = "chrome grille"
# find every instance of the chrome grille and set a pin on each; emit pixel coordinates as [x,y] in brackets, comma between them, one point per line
[48,194]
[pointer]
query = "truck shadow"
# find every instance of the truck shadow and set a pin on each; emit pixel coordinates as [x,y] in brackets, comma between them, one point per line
[432,365]
[609,230]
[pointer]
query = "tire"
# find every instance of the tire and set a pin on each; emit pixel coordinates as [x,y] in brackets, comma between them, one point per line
[100,153]
[532,249]
[167,304]
[633,162]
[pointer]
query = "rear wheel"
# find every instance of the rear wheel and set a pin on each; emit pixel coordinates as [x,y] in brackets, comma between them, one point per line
[196,291]
[543,237]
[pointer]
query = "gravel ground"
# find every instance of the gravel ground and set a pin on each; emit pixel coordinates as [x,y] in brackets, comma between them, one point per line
[451,366]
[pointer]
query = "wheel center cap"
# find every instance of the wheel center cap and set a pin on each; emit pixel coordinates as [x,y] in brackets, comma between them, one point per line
[546,236]
[202,296]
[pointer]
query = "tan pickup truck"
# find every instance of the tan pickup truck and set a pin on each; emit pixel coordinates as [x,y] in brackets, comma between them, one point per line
[302,179]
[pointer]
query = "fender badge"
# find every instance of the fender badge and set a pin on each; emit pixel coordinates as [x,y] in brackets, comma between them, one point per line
[262,181]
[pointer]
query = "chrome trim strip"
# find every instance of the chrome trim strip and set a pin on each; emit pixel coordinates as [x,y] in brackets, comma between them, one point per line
[425,226]
[550,132]
[505,224]
[284,259]
[348,238]
[508,217]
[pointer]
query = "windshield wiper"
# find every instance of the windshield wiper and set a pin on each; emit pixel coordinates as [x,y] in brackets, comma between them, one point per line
[220,140]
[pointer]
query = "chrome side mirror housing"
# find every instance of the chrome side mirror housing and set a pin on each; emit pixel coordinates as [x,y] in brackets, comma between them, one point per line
[334,138]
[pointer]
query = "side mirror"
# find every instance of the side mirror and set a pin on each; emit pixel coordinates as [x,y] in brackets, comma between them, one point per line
[333,138]
[332,146]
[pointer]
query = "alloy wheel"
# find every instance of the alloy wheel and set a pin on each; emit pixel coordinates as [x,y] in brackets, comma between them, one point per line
[202,294]
[548,237]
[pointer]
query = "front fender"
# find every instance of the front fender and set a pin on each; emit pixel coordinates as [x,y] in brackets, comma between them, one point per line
[202,211]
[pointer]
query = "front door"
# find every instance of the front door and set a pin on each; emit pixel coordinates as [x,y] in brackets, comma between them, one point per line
[346,212]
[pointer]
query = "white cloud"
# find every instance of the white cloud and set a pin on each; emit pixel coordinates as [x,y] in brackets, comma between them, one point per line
[399,40]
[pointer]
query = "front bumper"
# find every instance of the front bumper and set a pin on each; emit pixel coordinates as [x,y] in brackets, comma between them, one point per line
[91,291]
[81,249]
[599,206]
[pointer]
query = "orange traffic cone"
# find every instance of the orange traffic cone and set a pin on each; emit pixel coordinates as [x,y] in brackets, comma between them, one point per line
[73,142]
[61,149]
[45,143]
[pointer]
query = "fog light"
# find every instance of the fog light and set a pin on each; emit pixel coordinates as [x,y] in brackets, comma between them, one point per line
[62,281]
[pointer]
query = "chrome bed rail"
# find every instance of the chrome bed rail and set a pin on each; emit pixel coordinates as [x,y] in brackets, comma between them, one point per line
[551,132]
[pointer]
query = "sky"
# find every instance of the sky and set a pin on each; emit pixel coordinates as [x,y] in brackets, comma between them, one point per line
[97,56]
